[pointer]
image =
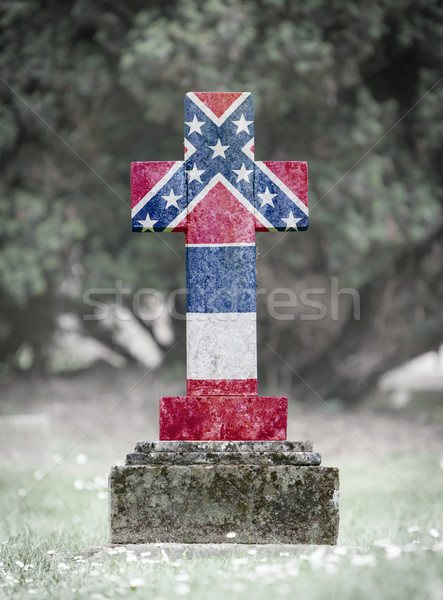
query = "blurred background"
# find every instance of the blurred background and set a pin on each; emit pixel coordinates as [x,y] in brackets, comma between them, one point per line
[352,88]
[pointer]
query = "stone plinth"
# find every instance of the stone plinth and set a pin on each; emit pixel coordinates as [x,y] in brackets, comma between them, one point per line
[198,492]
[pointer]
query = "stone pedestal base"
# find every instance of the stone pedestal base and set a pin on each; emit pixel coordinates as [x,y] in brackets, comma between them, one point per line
[199,492]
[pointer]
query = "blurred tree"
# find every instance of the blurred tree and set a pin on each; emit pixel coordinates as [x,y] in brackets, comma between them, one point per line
[88,87]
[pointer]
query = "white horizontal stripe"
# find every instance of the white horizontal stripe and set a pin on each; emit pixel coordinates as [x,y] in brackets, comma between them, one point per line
[221,345]
[215,245]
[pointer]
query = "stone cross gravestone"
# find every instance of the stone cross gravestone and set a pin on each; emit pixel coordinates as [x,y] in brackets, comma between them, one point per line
[222,463]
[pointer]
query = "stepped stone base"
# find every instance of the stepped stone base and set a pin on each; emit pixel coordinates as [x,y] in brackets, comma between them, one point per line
[199,492]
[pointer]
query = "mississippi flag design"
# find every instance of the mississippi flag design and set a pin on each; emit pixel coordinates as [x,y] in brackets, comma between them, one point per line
[219,197]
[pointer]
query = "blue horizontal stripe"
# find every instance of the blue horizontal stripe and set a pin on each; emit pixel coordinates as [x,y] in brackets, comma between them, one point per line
[220,279]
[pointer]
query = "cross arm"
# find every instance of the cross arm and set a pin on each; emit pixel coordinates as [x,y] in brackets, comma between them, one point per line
[281,195]
[158,196]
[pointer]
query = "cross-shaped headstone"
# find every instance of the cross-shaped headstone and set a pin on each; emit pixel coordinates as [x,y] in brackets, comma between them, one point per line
[219,197]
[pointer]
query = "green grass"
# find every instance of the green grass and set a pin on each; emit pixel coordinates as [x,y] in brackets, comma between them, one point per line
[54,523]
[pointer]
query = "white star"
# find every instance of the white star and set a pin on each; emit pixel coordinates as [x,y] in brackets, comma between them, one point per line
[266,198]
[242,173]
[195,173]
[242,124]
[148,223]
[195,125]
[219,150]
[171,199]
[291,221]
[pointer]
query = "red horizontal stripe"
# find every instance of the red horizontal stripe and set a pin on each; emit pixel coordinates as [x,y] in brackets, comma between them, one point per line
[216,387]
[223,418]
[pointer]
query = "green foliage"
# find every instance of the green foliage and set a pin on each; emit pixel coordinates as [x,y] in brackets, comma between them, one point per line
[343,85]
[37,238]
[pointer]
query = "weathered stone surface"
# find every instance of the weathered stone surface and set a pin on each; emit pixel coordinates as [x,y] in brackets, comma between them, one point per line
[202,504]
[223,458]
[223,446]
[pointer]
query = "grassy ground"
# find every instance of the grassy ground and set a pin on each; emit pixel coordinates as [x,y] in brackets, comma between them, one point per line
[390,544]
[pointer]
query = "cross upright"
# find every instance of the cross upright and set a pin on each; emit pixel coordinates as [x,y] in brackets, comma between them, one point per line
[219,197]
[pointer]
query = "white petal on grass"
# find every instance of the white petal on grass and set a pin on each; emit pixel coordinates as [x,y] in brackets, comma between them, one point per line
[164,555]
[145,554]
[231,535]
[81,459]
[19,564]
[112,551]
[21,492]
[62,566]
[137,582]
[317,558]
[38,475]
[392,552]
[131,558]
[50,552]
[365,560]
[102,495]
[182,589]
[121,550]
[239,561]
[434,533]
[149,561]
[101,482]
[340,550]
[182,577]
[252,551]
[32,591]
[79,484]
[413,528]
